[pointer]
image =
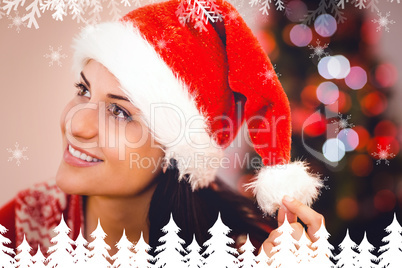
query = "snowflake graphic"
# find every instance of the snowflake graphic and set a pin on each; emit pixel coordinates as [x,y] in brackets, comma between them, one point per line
[17,22]
[269,74]
[199,12]
[231,16]
[266,5]
[383,22]
[162,43]
[383,154]
[343,123]
[17,154]
[55,56]
[318,50]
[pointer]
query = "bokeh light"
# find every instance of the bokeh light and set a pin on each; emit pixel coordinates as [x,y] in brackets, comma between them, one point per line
[357,78]
[314,124]
[325,25]
[333,150]
[350,139]
[384,200]
[327,92]
[298,11]
[338,67]
[309,96]
[386,75]
[374,103]
[342,105]
[361,165]
[385,128]
[364,137]
[347,208]
[267,41]
[383,141]
[301,35]
[323,67]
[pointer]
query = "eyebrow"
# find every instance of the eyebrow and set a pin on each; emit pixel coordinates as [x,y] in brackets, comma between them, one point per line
[118,97]
[85,79]
[112,96]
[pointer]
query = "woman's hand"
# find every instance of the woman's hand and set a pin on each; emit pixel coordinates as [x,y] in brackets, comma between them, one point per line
[295,209]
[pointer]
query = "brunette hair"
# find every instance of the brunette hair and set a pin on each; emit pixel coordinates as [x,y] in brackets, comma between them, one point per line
[195,212]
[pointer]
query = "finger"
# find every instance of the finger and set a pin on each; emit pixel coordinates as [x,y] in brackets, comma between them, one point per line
[270,243]
[307,215]
[281,216]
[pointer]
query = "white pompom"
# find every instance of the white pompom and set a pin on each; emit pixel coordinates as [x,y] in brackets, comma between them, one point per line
[293,179]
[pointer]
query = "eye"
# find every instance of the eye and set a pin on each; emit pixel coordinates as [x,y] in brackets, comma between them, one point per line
[119,112]
[82,90]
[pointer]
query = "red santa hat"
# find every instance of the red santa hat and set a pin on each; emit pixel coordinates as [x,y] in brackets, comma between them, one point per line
[192,87]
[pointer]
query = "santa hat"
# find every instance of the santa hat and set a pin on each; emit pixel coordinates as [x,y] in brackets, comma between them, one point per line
[196,88]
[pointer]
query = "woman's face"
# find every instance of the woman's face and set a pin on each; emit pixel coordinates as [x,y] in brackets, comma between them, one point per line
[99,122]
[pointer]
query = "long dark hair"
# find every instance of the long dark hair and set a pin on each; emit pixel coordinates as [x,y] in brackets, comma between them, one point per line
[196,211]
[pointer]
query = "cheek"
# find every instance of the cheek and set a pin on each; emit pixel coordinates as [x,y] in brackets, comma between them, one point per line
[64,114]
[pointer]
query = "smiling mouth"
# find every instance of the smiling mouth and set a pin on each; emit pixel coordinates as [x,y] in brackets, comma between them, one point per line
[81,155]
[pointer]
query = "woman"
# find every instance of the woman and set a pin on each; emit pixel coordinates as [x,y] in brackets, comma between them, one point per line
[153,89]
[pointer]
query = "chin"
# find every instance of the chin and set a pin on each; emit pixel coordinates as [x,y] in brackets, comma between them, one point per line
[68,182]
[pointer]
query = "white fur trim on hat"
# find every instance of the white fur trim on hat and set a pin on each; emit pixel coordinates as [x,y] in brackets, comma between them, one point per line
[167,107]
[274,182]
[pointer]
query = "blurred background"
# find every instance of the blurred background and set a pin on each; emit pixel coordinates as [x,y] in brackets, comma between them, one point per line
[338,64]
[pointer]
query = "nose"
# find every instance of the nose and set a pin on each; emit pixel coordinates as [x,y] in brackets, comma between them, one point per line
[82,124]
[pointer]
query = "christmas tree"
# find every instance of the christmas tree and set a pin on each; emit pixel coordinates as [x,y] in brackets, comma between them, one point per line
[23,257]
[285,251]
[218,252]
[304,253]
[262,259]
[323,249]
[124,257]
[194,259]
[61,253]
[347,258]
[99,249]
[141,258]
[171,252]
[392,252]
[38,259]
[365,258]
[247,258]
[81,252]
[6,261]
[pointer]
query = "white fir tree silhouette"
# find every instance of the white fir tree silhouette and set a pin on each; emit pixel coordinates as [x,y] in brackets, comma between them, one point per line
[123,257]
[194,258]
[347,258]
[23,257]
[61,253]
[392,256]
[262,259]
[141,257]
[323,249]
[99,253]
[170,253]
[247,258]
[38,259]
[304,253]
[81,252]
[6,261]
[365,257]
[285,251]
[218,252]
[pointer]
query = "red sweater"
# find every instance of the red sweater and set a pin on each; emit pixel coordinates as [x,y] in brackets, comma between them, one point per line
[36,211]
